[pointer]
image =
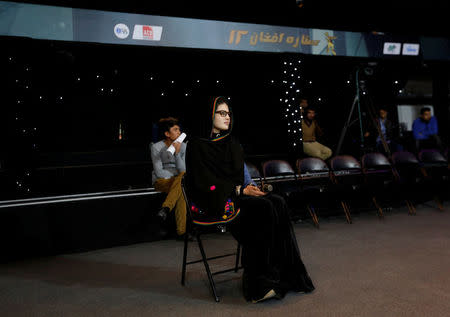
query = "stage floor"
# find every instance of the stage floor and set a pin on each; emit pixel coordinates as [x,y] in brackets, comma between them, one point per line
[396,267]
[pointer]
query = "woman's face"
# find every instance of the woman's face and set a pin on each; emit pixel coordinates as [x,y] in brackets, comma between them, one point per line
[222,123]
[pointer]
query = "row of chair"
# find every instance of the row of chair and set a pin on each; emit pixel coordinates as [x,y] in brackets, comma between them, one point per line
[347,174]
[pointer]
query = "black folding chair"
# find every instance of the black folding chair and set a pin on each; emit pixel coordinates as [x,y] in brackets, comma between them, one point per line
[435,170]
[282,177]
[346,174]
[314,179]
[197,230]
[407,175]
[378,176]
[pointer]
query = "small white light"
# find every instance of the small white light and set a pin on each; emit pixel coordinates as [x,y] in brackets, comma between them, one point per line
[60,98]
[18,101]
[281,99]
[286,115]
[298,90]
[295,68]
[26,87]
[198,80]
[293,84]
[290,87]
[396,82]
[298,77]
[98,76]
[35,129]
[285,63]
[151,78]
[310,82]
[10,58]
[300,129]
[217,81]
[289,105]
[400,91]
[112,90]
[286,100]
[40,97]
[299,62]
[78,78]
[364,92]
[101,89]
[295,121]
[289,130]
[295,144]
[290,63]
[296,110]
[348,81]
[17,80]
[271,81]
[186,95]
[24,130]
[229,98]
[293,98]
[285,72]
[289,123]
[295,131]
[286,92]
[292,75]
[319,99]
[301,117]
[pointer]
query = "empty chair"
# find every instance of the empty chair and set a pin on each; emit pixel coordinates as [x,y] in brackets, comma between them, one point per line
[347,176]
[254,173]
[434,167]
[378,175]
[314,177]
[282,177]
[407,174]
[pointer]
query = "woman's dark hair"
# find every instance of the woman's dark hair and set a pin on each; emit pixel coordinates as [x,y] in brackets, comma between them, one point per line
[221,100]
[424,109]
[166,123]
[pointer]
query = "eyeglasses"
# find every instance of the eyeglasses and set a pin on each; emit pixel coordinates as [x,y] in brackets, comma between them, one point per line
[224,113]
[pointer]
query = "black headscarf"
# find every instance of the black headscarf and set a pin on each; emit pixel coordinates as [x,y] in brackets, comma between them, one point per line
[214,167]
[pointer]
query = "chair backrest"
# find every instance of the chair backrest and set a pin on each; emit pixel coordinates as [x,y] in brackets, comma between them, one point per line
[277,168]
[375,161]
[404,158]
[344,163]
[253,170]
[432,156]
[311,165]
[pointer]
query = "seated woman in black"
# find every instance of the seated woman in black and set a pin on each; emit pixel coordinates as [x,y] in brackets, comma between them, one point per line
[259,221]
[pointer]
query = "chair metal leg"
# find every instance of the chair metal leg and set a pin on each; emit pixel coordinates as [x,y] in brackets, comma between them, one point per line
[208,271]
[439,203]
[238,254]
[411,208]
[313,215]
[346,211]
[183,270]
[380,211]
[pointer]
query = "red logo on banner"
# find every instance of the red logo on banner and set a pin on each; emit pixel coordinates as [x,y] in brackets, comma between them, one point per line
[147,32]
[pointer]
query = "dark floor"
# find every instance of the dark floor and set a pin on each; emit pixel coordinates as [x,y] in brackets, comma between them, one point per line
[396,267]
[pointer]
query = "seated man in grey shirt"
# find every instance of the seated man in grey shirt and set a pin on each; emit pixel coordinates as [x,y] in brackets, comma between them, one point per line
[168,170]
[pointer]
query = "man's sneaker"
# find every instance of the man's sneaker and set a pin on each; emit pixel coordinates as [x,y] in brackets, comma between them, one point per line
[162,213]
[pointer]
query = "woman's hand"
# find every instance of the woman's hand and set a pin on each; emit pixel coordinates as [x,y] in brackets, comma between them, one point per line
[252,190]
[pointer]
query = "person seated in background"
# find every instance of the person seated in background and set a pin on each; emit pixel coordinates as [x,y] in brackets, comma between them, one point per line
[303,105]
[311,131]
[425,131]
[388,132]
[168,170]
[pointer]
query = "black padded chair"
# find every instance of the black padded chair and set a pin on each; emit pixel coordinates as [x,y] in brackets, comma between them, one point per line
[378,176]
[408,176]
[254,173]
[282,177]
[346,174]
[314,180]
[197,230]
[434,167]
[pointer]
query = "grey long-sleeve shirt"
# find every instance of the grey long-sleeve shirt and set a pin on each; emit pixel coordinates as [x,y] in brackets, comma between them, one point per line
[166,165]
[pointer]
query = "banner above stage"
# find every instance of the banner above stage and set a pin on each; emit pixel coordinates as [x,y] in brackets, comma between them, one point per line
[81,25]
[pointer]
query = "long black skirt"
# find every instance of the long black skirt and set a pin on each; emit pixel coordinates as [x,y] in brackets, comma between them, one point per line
[270,254]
